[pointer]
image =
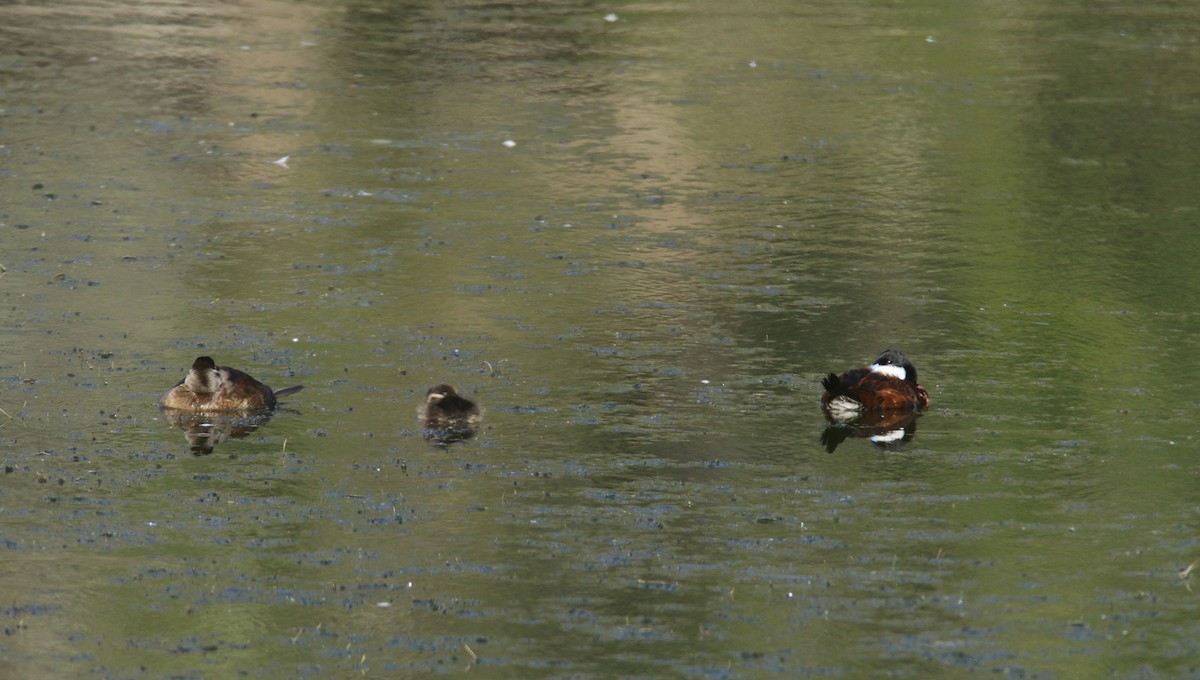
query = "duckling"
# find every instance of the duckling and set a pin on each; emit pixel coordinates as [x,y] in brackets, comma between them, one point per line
[209,387]
[444,406]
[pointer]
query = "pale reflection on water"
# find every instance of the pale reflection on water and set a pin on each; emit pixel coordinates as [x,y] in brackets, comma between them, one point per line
[205,431]
[703,210]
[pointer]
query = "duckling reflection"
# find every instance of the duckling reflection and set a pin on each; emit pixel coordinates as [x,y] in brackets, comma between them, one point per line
[204,431]
[888,430]
[448,417]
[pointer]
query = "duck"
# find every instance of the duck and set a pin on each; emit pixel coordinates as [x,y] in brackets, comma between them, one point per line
[209,387]
[889,384]
[443,405]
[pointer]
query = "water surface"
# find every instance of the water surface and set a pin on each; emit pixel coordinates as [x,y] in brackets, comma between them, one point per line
[638,235]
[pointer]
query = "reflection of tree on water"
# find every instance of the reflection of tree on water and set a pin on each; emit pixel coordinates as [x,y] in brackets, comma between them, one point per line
[889,431]
[204,431]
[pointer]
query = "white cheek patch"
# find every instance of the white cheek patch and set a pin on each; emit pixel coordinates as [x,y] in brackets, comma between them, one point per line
[201,382]
[897,372]
[210,383]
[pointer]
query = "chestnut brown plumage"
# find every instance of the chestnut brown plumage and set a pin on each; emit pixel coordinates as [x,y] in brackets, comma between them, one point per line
[888,384]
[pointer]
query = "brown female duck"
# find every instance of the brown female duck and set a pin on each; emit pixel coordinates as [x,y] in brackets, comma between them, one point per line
[209,387]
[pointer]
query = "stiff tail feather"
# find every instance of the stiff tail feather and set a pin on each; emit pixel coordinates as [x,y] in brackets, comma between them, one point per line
[833,385]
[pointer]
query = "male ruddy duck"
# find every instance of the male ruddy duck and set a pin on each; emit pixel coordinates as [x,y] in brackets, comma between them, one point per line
[888,384]
[209,387]
[443,406]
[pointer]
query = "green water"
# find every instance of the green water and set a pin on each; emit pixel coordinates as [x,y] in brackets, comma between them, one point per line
[704,208]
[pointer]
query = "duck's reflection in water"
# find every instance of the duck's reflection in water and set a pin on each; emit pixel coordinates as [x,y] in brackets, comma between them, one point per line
[204,431]
[890,431]
[445,433]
